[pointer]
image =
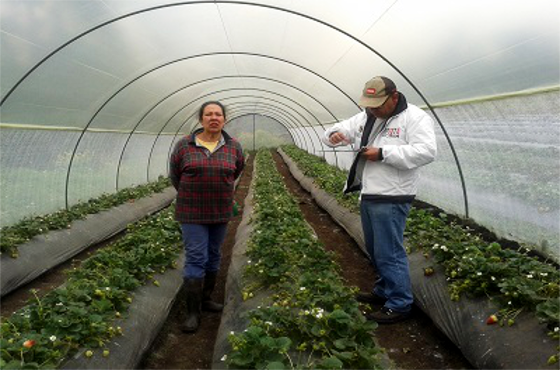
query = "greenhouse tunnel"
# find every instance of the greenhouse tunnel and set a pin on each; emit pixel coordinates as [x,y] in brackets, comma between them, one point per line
[95,93]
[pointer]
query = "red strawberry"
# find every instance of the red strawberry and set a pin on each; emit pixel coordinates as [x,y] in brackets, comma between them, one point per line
[492,319]
[29,343]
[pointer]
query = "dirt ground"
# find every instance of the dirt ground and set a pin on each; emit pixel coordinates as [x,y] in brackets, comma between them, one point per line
[413,344]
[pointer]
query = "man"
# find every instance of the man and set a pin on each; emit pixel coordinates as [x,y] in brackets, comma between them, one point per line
[392,139]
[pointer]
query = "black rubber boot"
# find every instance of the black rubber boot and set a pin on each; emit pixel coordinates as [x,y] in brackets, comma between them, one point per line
[193,290]
[209,284]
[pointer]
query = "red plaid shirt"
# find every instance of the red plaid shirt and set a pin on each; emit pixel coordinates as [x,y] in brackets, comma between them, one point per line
[204,180]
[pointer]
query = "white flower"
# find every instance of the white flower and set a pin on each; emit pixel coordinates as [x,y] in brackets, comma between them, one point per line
[261,271]
[545,274]
[268,323]
[60,304]
[509,302]
[302,288]
[107,289]
[319,315]
[52,338]
[232,332]
[224,357]
[444,248]
[556,329]
[479,273]
[249,262]
[306,312]
[530,276]
[492,278]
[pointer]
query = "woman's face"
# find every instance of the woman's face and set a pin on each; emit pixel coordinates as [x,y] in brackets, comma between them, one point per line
[213,120]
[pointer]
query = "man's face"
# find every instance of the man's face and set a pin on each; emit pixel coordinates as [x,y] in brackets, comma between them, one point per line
[386,109]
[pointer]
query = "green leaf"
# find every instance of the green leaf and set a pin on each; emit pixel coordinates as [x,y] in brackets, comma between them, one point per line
[331,363]
[275,365]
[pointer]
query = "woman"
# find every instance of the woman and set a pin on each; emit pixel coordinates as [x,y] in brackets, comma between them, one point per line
[203,169]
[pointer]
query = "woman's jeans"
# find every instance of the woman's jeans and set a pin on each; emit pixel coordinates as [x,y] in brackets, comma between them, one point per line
[202,248]
[383,225]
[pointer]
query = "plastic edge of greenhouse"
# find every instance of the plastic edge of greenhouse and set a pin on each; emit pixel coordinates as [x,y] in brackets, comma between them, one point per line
[523,346]
[46,251]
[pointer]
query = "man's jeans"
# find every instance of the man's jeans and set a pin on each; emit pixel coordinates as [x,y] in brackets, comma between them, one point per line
[202,248]
[383,225]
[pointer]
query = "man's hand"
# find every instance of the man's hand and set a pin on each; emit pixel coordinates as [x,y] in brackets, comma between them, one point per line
[338,137]
[371,153]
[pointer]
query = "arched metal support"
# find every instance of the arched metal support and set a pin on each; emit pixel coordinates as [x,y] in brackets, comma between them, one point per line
[175,114]
[215,78]
[282,112]
[261,6]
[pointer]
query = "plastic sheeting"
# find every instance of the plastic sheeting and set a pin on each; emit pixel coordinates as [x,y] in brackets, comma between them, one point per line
[522,346]
[47,251]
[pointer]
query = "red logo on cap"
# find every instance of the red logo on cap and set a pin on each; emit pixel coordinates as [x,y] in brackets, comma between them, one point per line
[370,91]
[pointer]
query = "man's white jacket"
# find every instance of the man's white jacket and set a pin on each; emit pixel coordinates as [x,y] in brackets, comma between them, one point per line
[407,140]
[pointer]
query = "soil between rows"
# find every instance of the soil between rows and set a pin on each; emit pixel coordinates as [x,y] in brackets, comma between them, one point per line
[414,344]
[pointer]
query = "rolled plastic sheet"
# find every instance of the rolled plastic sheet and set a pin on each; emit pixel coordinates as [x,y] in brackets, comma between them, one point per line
[44,252]
[524,345]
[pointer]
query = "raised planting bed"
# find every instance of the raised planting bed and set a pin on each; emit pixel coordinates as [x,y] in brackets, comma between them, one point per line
[45,251]
[462,303]
[109,310]
[287,307]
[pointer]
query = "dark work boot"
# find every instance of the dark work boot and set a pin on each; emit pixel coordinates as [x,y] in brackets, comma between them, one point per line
[193,290]
[209,284]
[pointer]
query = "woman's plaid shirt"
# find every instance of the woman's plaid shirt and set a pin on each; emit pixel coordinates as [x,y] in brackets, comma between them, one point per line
[204,180]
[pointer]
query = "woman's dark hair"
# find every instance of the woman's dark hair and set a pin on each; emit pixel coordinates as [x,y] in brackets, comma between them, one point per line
[204,105]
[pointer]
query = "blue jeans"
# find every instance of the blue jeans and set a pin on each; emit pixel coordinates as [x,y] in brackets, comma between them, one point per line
[383,225]
[202,248]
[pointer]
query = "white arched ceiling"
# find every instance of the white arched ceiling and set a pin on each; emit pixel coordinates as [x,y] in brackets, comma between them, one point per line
[449,51]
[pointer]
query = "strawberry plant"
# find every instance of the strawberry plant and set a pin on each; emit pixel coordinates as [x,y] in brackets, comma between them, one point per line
[81,312]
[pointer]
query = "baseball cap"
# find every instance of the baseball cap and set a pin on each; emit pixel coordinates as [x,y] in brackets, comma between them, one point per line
[376,91]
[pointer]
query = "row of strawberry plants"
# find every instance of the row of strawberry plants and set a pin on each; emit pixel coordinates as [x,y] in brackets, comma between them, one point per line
[81,313]
[514,279]
[15,235]
[312,319]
